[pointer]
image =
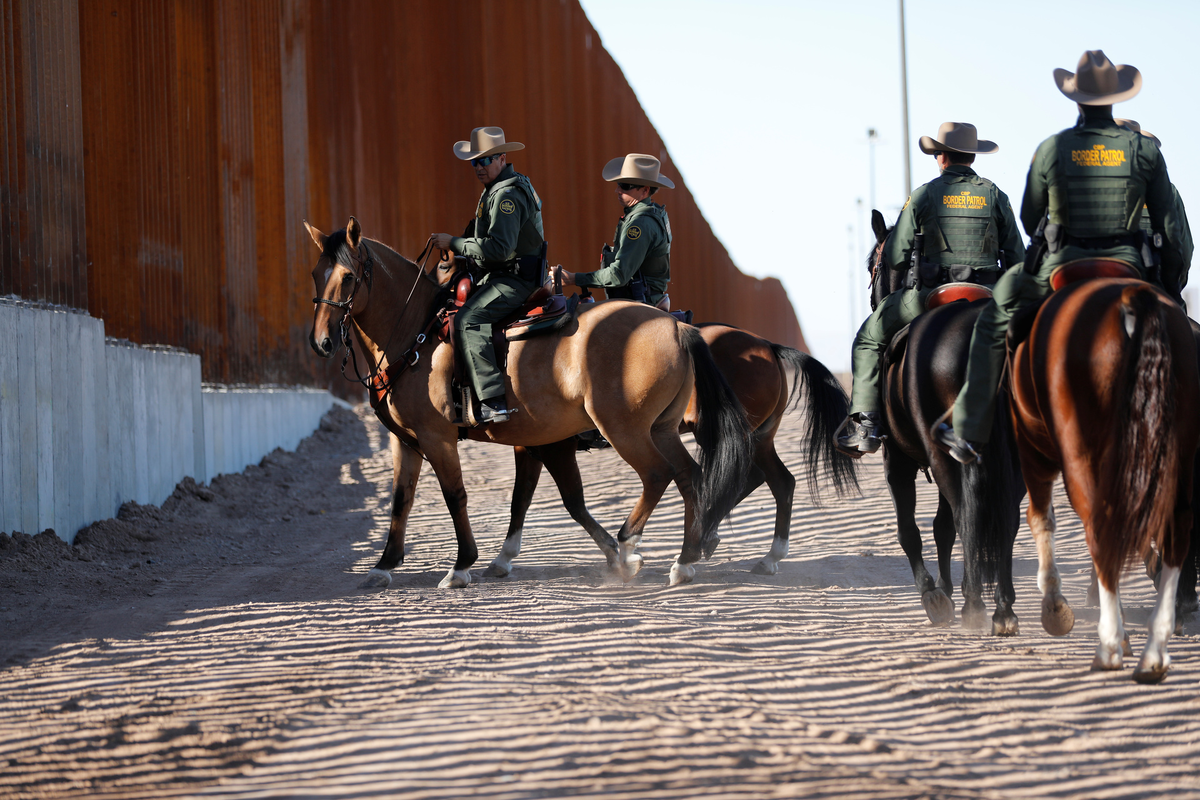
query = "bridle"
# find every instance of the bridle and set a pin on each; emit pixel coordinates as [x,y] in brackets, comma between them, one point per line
[375,379]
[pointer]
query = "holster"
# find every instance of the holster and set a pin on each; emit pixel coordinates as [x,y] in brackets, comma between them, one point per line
[1037,247]
[635,290]
[1151,247]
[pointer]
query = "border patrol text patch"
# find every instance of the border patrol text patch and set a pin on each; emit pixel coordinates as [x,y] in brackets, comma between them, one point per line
[507,206]
[634,232]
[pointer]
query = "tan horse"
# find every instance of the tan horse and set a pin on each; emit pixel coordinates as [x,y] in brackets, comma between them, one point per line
[623,368]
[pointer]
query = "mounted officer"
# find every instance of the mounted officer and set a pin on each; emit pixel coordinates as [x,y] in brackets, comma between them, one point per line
[1084,195]
[640,266]
[953,228]
[506,242]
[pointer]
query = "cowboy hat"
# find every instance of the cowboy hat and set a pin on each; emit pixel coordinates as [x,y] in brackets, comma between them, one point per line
[638,169]
[485,142]
[1097,81]
[957,137]
[1132,124]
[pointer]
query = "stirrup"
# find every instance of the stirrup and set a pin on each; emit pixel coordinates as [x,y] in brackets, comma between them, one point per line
[958,448]
[861,441]
[487,414]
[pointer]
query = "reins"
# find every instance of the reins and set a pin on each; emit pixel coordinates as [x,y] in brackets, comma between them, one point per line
[379,381]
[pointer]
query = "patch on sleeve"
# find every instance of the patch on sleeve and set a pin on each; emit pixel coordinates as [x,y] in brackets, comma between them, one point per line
[634,232]
[507,206]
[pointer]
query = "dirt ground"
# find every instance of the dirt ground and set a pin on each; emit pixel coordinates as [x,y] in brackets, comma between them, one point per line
[219,647]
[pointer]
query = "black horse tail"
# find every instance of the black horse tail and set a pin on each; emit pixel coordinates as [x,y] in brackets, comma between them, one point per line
[1135,493]
[722,433]
[827,407]
[991,493]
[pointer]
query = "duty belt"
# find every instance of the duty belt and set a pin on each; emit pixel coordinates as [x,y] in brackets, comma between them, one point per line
[1104,242]
[929,275]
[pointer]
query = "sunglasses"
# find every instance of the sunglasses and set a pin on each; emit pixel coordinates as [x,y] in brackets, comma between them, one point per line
[629,187]
[483,162]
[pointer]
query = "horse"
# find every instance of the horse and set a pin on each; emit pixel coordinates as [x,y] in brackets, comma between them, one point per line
[1104,391]
[982,501]
[580,377]
[757,370]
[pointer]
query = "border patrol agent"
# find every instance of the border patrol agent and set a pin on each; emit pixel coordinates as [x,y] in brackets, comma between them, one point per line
[962,223]
[640,266]
[506,241]
[1177,225]
[1087,185]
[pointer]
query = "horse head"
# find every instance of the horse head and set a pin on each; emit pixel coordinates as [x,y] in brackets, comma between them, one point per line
[883,282]
[340,275]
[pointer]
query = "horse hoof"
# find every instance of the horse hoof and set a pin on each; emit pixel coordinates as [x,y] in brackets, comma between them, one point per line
[974,618]
[497,570]
[1057,617]
[1153,673]
[376,579]
[631,567]
[767,566]
[455,579]
[938,607]
[1107,663]
[681,573]
[709,546]
[1006,626]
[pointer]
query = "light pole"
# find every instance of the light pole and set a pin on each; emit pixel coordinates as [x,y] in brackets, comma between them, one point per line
[904,105]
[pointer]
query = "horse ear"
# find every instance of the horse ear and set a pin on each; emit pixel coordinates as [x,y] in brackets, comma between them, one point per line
[878,225]
[353,233]
[316,235]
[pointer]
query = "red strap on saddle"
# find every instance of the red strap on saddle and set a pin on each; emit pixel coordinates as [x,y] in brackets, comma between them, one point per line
[1082,269]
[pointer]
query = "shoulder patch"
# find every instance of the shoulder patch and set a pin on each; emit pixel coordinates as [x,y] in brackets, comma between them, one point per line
[634,232]
[906,202]
[507,206]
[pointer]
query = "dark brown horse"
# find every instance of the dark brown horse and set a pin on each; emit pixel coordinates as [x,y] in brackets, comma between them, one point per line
[623,368]
[980,502]
[757,369]
[1105,390]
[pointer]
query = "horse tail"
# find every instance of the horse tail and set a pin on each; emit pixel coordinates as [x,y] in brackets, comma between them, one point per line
[1135,492]
[722,433]
[827,407]
[990,499]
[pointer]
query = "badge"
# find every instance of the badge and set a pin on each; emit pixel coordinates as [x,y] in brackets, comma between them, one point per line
[634,232]
[507,206]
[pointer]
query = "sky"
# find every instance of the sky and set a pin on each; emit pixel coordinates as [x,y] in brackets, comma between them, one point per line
[765,105]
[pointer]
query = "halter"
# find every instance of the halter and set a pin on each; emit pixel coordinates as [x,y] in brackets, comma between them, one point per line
[376,380]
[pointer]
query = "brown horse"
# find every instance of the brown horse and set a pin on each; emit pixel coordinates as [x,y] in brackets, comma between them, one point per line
[623,368]
[1105,391]
[757,369]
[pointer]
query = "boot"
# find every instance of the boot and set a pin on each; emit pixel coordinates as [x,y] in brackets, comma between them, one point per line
[494,410]
[958,448]
[859,435]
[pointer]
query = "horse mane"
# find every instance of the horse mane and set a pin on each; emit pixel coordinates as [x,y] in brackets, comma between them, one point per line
[337,249]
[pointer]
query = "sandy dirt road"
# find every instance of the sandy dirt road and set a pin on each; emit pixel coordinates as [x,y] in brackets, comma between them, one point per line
[219,647]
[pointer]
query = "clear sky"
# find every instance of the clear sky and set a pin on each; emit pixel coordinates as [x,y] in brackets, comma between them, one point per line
[765,106]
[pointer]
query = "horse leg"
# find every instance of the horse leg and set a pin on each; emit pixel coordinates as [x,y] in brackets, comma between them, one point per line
[1057,617]
[708,544]
[1111,629]
[1155,660]
[1004,619]
[560,459]
[443,457]
[944,535]
[783,487]
[406,469]
[901,474]
[686,476]
[656,473]
[528,471]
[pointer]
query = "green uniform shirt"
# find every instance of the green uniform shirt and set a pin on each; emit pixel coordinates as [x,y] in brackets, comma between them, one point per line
[508,221]
[643,242]
[1100,174]
[927,212]
[1177,231]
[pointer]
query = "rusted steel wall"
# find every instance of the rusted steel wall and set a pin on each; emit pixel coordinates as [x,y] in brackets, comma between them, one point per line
[159,156]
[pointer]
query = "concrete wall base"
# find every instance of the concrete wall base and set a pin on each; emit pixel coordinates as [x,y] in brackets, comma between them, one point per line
[87,423]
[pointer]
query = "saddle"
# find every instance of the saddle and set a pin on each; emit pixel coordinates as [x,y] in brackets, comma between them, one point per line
[542,313]
[1082,269]
[955,291]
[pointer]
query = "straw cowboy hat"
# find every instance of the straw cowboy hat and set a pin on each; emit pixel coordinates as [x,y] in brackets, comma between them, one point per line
[485,142]
[957,137]
[1132,124]
[638,169]
[1097,81]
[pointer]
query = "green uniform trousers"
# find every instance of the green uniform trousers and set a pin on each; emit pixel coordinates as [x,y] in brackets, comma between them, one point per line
[498,295]
[897,310]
